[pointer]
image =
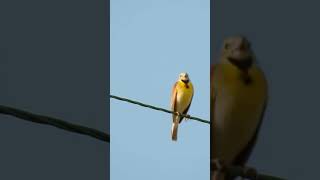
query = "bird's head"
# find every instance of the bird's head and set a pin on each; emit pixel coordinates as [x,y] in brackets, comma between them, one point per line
[184,77]
[237,49]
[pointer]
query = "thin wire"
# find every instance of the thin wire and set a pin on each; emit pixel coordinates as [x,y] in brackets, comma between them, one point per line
[36,118]
[158,109]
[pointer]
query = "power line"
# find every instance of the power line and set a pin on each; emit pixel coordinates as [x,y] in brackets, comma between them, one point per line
[159,109]
[58,123]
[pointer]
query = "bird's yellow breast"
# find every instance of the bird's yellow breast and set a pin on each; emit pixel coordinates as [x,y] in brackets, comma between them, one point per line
[184,95]
[237,109]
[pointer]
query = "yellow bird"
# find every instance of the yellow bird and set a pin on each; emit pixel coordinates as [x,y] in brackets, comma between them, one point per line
[238,100]
[181,97]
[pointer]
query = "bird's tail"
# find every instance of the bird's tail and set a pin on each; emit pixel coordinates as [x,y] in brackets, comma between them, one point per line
[174,129]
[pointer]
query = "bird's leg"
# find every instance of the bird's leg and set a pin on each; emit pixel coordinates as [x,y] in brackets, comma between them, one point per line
[178,114]
[187,117]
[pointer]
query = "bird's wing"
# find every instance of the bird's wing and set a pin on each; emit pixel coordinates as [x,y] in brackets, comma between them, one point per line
[173,99]
[243,156]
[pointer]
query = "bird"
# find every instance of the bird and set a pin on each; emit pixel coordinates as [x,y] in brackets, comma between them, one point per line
[181,98]
[239,94]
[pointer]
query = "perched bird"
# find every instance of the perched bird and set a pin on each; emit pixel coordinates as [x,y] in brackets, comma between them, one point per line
[181,97]
[238,100]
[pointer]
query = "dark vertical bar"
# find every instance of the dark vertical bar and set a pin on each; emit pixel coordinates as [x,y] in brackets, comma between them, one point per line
[212,37]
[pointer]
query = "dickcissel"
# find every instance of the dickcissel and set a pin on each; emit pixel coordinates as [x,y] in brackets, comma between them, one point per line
[238,100]
[181,97]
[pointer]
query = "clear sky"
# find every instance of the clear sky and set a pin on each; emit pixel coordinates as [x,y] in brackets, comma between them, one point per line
[152,42]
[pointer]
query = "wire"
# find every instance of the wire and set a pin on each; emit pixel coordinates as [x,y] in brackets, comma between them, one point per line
[159,109]
[36,118]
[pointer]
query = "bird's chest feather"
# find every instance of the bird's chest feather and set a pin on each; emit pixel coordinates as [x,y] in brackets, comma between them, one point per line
[239,100]
[184,96]
[240,105]
[238,109]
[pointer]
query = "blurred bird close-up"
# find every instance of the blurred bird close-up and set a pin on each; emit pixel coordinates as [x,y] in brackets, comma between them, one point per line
[237,104]
[181,97]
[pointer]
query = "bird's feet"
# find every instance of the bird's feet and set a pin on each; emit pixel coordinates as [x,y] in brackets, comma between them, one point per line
[187,118]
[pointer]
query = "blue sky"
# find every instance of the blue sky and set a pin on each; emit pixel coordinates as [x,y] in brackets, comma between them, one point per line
[152,41]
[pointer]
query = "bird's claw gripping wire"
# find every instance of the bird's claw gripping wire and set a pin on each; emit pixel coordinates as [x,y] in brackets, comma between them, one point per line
[187,118]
